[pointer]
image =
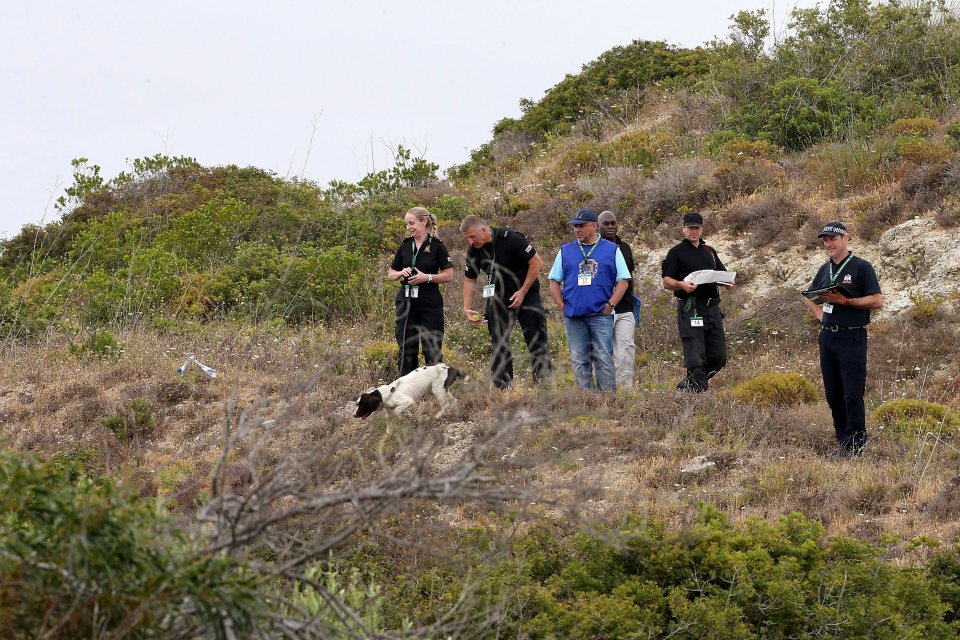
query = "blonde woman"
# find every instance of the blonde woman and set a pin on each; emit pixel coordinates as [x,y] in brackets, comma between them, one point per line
[421,264]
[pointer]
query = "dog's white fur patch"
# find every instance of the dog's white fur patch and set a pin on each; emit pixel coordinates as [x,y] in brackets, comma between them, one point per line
[400,394]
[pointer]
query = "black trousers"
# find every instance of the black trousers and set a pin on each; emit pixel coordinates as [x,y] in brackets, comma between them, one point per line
[843,363]
[704,348]
[418,327]
[533,322]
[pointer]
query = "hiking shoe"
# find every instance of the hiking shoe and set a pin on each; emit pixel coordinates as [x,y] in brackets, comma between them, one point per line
[688,385]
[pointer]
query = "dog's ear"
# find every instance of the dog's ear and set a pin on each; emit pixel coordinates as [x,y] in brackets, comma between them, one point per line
[367,403]
[453,374]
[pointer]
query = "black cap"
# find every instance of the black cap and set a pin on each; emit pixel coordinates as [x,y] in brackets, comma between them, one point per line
[693,220]
[833,229]
[582,216]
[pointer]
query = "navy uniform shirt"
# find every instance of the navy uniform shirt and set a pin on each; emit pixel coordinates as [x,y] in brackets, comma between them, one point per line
[511,253]
[683,259]
[431,258]
[859,279]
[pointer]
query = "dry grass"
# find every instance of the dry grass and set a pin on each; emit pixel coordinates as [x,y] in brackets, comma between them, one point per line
[602,455]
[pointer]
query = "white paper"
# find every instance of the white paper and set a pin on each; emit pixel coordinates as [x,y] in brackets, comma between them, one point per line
[191,360]
[709,276]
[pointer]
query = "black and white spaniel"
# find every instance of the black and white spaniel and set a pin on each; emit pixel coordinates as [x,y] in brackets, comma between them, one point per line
[400,394]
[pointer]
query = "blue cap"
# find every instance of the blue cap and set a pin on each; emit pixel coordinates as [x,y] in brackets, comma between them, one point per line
[584,215]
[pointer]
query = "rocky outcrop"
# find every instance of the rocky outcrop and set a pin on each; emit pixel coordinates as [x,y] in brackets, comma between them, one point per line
[913,258]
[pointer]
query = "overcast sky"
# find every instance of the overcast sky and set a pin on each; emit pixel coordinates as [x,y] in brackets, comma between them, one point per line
[249,83]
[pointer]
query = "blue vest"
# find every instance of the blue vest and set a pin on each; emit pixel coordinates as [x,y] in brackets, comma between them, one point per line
[587,300]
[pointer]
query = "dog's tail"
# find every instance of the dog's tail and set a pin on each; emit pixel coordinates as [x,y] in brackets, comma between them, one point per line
[454,374]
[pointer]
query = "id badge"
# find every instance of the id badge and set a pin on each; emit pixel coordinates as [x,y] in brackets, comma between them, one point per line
[415,291]
[488,290]
[406,291]
[827,307]
[584,280]
[696,322]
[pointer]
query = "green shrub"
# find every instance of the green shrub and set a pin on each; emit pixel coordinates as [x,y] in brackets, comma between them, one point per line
[953,133]
[908,417]
[920,151]
[83,559]
[716,581]
[380,356]
[136,423]
[364,596]
[101,344]
[631,149]
[797,112]
[851,167]
[776,389]
[583,157]
[921,127]
[924,310]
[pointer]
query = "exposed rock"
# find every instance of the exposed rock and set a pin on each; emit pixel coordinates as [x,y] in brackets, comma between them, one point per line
[914,257]
[697,464]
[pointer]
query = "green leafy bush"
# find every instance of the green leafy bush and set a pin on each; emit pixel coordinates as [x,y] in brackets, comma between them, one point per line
[908,417]
[134,424]
[82,559]
[920,127]
[101,344]
[716,581]
[631,149]
[776,389]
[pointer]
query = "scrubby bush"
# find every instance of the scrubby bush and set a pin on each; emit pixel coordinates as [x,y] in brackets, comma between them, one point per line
[908,417]
[680,185]
[852,167]
[632,149]
[380,356]
[924,310]
[922,152]
[101,344]
[771,217]
[584,157]
[921,127]
[716,581]
[872,224]
[83,559]
[776,389]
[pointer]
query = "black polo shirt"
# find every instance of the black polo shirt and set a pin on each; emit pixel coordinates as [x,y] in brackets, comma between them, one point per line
[510,252]
[683,259]
[858,277]
[626,303]
[431,258]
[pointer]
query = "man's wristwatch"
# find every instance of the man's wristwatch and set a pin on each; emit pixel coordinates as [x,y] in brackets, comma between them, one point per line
[429,277]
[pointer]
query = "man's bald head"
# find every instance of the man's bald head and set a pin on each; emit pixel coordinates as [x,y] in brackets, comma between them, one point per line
[608,225]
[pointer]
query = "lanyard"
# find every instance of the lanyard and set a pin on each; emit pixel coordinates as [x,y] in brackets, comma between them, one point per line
[492,258]
[586,254]
[834,276]
[413,261]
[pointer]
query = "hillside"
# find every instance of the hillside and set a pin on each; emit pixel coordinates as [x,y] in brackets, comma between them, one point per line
[254,503]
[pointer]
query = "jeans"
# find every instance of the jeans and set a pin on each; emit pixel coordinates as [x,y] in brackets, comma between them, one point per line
[590,339]
[624,348]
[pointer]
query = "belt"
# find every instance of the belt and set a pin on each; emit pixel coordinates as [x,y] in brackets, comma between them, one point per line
[710,302]
[836,327]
